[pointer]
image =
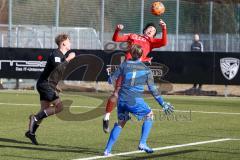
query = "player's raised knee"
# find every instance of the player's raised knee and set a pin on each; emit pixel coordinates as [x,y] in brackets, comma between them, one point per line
[59,107]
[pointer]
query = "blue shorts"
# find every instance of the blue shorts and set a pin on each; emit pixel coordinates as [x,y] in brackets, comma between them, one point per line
[140,109]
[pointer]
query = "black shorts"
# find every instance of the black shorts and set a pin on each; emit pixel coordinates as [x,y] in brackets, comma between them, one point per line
[46,92]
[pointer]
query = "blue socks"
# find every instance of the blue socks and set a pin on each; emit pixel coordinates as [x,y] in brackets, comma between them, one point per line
[146,127]
[113,137]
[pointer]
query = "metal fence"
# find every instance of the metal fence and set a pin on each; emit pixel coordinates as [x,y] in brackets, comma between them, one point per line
[35,23]
[37,36]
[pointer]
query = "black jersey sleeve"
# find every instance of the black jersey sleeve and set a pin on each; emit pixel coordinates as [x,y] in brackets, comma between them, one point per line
[57,74]
[59,63]
[56,59]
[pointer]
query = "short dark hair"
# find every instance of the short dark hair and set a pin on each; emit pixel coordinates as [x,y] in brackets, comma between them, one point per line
[152,25]
[61,37]
[135,51]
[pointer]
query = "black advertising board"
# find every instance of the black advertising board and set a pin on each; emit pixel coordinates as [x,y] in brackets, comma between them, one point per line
[91,65]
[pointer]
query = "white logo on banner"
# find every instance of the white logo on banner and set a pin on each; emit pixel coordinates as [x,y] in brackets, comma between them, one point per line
[229,67]
[21,65]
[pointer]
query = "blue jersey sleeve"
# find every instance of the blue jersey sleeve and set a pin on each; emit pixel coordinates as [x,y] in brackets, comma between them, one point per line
[114,76]
[153,89]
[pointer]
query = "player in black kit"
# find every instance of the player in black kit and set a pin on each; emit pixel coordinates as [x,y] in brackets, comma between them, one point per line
[47,85]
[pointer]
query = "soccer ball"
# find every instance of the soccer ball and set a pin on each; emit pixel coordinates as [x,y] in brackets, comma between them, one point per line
[157,8]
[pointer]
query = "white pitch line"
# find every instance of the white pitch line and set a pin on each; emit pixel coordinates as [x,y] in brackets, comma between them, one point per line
[20,104]
[92,107]
[206,112]
[235,139]
[157,149]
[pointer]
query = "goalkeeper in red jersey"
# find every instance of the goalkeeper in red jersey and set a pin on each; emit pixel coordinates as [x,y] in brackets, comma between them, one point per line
[147,41]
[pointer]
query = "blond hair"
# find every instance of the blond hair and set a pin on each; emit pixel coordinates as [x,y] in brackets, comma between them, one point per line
[61,37]
[136,51]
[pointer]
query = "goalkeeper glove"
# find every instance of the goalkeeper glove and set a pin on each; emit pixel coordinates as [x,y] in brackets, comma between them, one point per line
[167,108]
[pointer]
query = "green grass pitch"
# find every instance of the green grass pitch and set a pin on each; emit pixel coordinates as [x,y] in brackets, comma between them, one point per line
[203,119]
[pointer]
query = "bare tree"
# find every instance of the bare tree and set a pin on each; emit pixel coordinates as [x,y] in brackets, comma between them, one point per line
[3,12]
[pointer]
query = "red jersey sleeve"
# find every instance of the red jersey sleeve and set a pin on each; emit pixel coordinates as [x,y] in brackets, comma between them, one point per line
[159,42]
[117,38]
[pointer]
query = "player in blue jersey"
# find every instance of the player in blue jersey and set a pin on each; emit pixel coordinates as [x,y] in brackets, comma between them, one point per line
[135,75]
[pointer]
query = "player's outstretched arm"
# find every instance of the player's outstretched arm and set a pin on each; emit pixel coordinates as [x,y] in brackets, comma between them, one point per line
[167,107]
[116,37]
[162,24]
[159,42]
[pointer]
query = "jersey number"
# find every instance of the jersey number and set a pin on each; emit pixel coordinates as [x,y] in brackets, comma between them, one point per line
[134,73]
